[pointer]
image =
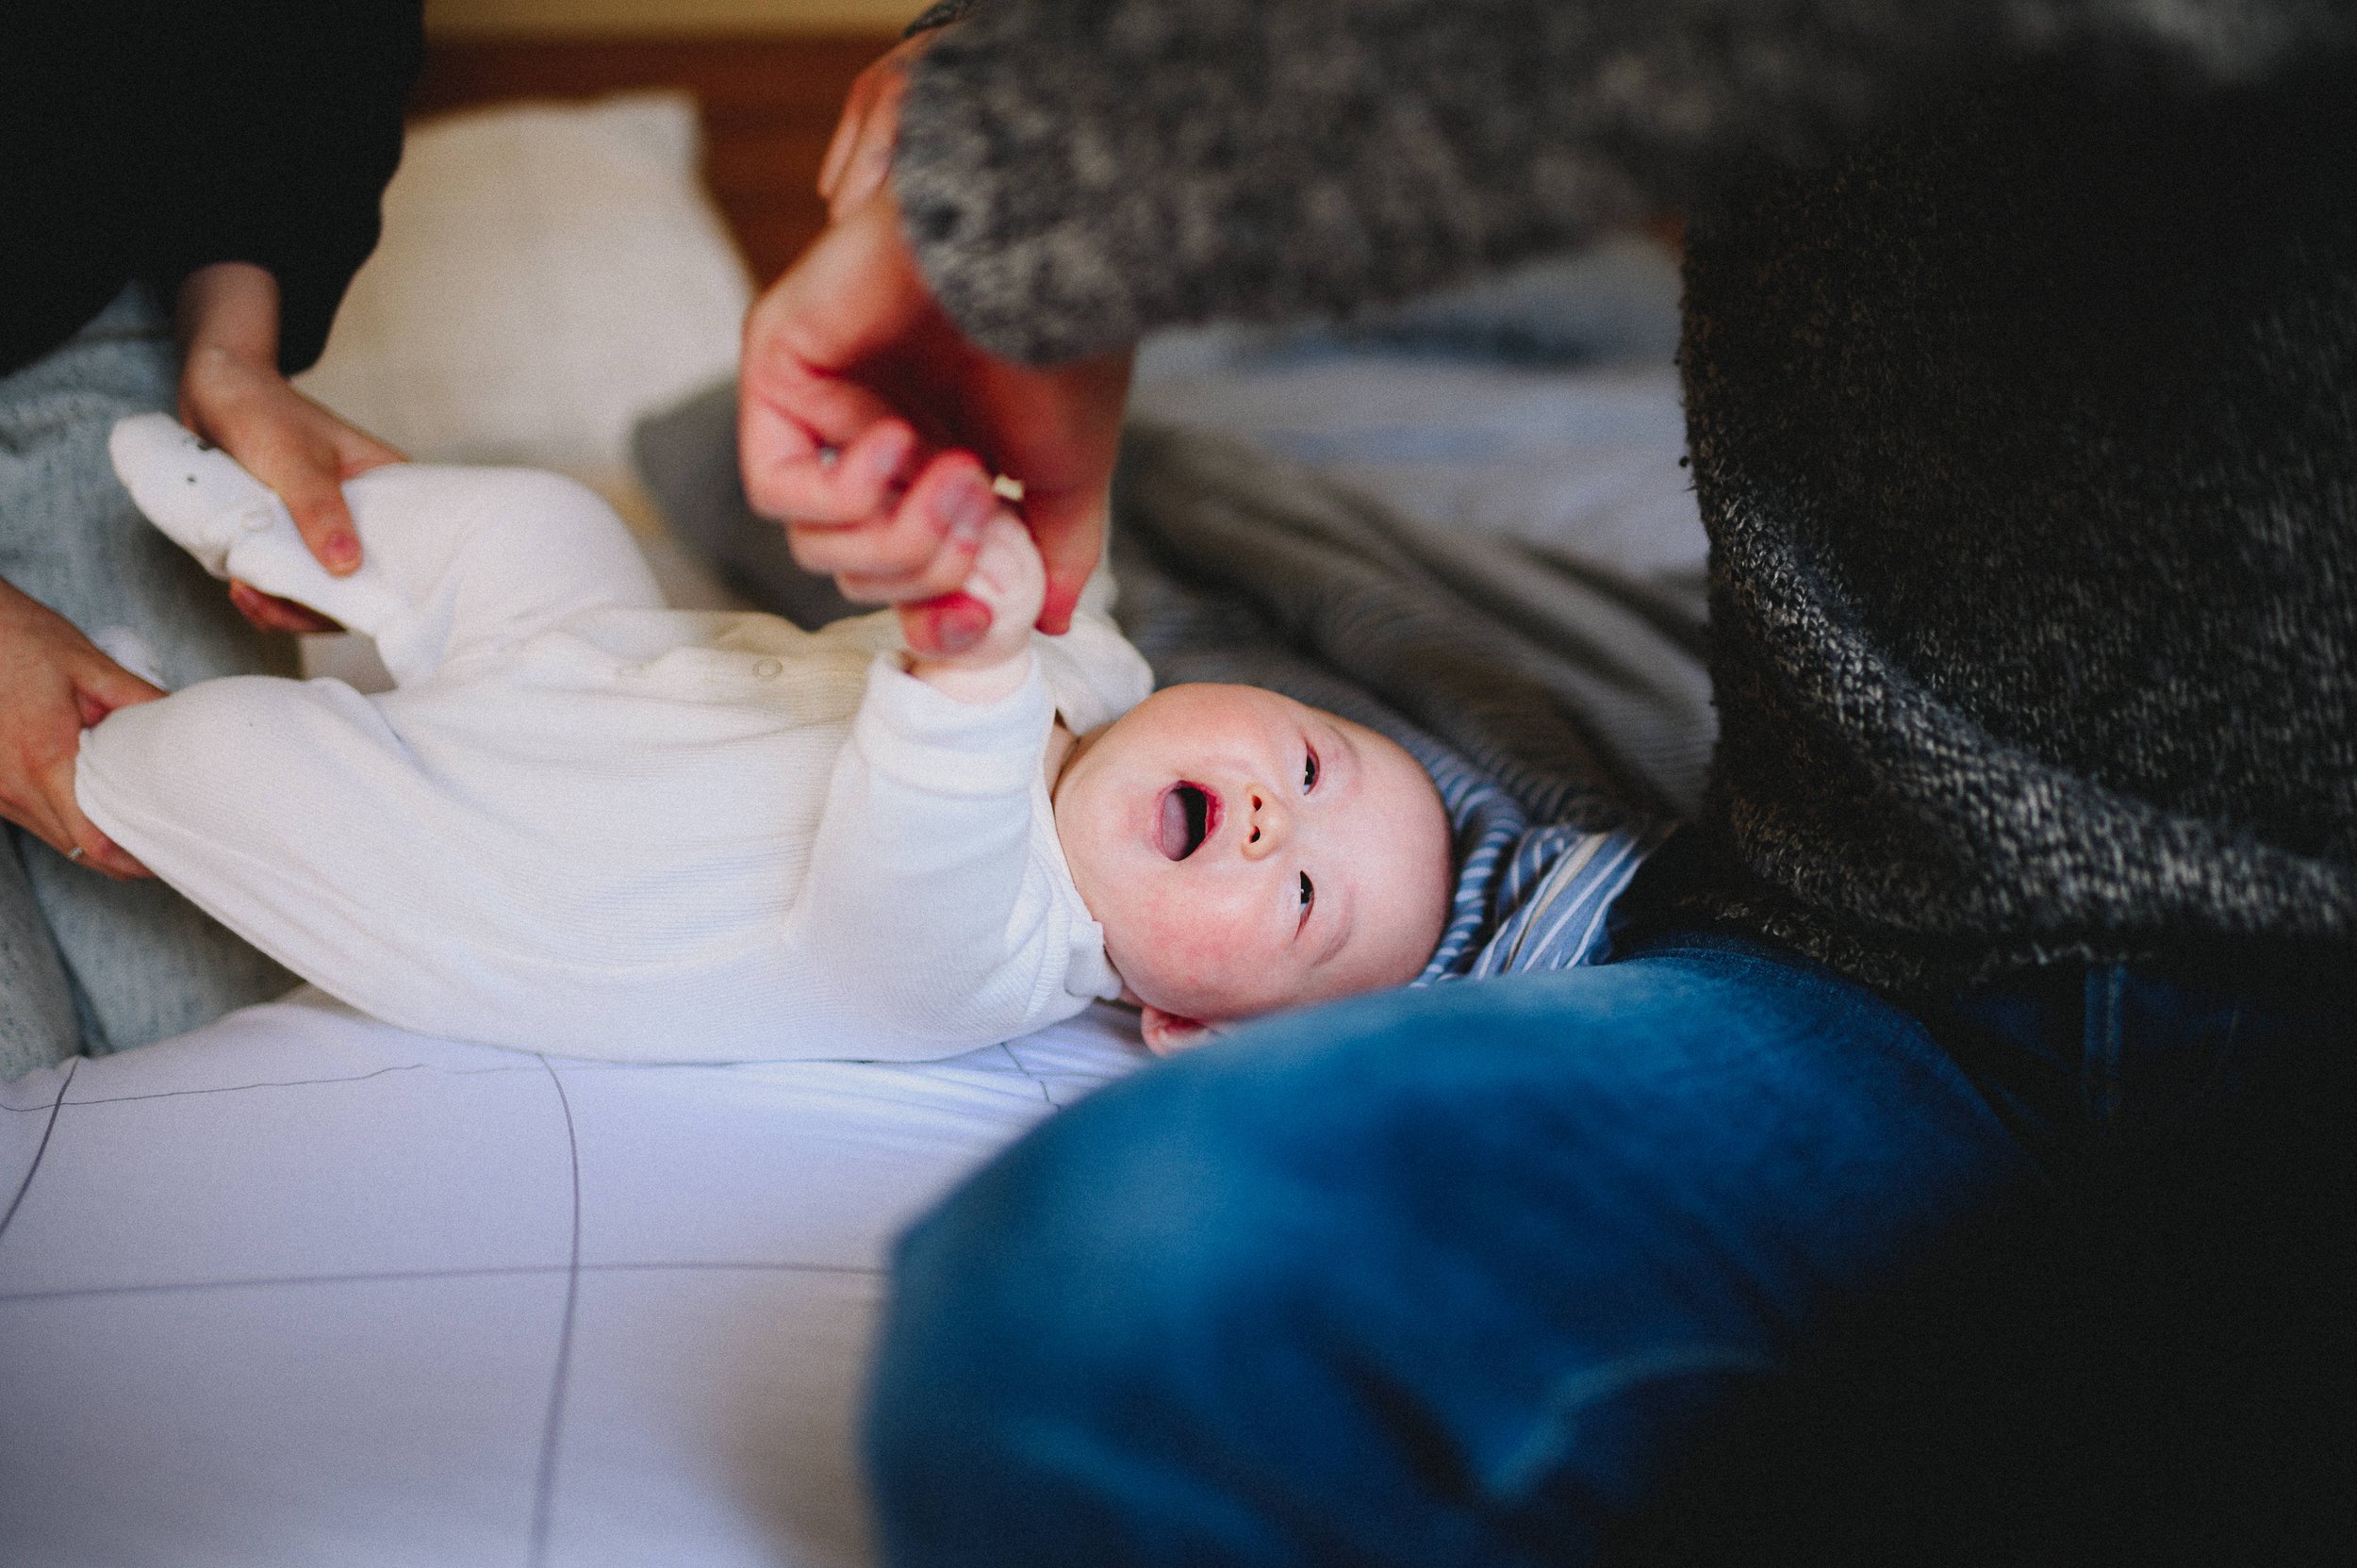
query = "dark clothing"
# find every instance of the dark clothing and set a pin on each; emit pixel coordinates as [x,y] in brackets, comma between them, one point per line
[145,141]
[2028,441]
[2021,369]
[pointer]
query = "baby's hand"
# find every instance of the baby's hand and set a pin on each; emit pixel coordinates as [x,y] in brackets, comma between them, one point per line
[1009,581]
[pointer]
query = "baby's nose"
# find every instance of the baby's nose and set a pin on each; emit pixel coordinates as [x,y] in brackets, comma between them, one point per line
[1266,822]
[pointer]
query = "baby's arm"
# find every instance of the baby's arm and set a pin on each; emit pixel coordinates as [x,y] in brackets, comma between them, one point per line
[1010,581]
[929,909]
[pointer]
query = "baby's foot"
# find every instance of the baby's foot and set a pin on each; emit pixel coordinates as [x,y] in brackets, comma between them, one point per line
[228,520]
[191,489]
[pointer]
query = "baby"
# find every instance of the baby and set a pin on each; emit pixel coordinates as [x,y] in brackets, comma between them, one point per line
[583,823]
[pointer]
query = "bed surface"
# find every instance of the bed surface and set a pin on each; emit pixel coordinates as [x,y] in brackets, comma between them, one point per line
[300,1288]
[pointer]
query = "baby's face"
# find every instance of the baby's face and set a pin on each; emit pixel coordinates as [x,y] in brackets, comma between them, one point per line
[1246,852]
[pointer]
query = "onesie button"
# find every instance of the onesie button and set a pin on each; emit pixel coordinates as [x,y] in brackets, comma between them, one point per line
[769,669]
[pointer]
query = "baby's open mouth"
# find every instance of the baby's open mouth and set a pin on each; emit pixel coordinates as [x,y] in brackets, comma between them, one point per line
[1190,815]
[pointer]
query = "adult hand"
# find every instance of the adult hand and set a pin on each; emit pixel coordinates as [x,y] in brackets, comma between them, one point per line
[53,684]
[232,394]
[871,426]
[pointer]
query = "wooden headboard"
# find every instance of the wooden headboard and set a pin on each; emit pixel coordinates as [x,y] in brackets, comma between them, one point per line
[770,104]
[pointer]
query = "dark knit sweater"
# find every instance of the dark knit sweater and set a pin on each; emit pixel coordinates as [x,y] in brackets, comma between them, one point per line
[2021,376]
[143,140]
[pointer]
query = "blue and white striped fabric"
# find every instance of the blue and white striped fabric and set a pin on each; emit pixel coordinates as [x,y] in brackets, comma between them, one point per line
[1560,884]
[1527,897]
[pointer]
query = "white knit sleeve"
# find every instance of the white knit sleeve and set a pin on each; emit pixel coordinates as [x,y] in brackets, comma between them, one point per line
[931,908]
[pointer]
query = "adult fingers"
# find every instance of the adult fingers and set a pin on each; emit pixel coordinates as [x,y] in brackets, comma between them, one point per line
[846,130]
[1070,532]
[1059,431]
[854,298]
[943,513]
[306,453]
[295,447]
[265,429]
[839,455]
[868,159]
[28,761]
[309,480]
[72,830]
[101,686]
[357,452]
[37,777]
[859,155]
[270,613]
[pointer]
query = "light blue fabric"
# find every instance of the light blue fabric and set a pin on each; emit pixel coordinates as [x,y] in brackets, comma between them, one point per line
[87,964]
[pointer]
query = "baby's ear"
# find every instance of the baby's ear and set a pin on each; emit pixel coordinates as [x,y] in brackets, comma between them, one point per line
[1167,1034]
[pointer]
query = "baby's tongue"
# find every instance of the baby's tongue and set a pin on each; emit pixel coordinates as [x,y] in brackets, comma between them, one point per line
[1173,832]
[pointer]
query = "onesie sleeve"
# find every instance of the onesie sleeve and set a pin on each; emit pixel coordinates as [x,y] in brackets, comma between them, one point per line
[935,905]
[1075,172]
[1093,673]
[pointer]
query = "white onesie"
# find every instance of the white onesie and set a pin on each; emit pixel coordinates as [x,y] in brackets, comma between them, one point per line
[586,824]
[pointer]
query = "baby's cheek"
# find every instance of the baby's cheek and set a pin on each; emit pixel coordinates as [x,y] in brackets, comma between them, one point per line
[1179,954]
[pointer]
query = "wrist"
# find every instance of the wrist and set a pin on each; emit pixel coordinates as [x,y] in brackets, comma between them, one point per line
[980,684]
[228,312]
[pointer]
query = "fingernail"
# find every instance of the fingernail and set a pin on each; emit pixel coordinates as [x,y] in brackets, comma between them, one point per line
[343,551]
[880,459]
[965,509]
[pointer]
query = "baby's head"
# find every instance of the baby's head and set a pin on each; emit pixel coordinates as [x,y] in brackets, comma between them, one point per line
[1246,852]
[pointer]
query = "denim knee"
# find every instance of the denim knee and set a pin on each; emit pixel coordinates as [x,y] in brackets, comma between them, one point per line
[1419,1278]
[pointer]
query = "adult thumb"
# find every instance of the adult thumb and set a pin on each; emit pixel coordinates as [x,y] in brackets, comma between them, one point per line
[1070,532]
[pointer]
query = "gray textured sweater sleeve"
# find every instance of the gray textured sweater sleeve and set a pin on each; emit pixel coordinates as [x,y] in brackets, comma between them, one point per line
[1075,172]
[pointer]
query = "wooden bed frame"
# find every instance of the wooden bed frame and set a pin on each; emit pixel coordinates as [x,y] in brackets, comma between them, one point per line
[769,105]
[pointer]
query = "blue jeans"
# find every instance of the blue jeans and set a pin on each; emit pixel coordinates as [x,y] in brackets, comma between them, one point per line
[89,964]
[1640,1262]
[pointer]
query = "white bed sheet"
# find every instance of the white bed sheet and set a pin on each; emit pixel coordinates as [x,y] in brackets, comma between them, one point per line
[303,1288]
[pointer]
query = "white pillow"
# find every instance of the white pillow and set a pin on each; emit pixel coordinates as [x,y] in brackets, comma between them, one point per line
[549,273]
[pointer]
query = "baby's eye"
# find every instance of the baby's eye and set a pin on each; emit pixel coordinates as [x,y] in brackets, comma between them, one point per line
[1309,780]
[1309,894]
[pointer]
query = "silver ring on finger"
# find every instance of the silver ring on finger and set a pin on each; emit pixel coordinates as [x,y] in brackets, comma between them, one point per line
[74,854]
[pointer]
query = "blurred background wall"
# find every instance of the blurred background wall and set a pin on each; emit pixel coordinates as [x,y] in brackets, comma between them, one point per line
[770,76]
[457,19]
